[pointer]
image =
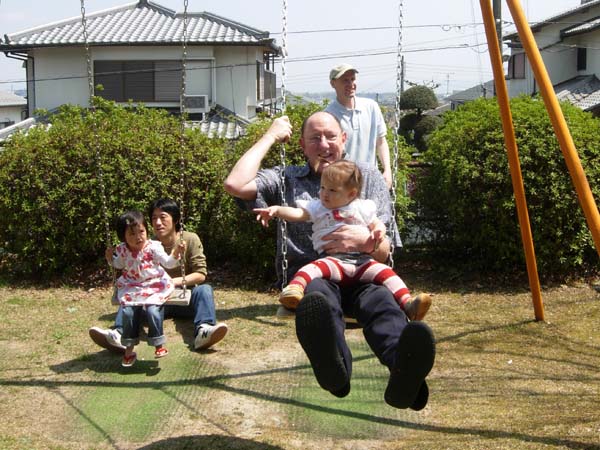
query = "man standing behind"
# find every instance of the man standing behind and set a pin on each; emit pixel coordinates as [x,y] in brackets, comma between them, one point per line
[362,121]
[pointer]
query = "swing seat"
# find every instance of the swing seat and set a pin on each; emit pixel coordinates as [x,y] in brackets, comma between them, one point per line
[284,313]
[178,297]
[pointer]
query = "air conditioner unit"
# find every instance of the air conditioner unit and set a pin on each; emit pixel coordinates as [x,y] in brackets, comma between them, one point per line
[196,103]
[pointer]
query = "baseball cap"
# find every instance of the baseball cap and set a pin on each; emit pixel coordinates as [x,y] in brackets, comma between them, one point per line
[340,70]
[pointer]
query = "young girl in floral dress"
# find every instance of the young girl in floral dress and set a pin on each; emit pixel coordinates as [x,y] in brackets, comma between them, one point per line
[143,284]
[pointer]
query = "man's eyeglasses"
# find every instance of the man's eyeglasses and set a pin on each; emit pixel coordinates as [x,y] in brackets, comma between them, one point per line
[318,138]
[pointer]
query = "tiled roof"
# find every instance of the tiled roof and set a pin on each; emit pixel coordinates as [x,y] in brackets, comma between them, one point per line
[140,23]
[556,18]
[10,99]
[582,91]
[583,27]
[222,123]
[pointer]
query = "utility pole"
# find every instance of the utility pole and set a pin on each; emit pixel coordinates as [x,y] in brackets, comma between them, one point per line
[402,74]
[497,11]
[497,6]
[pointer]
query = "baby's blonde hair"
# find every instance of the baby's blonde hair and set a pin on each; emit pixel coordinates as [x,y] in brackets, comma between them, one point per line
[345,173]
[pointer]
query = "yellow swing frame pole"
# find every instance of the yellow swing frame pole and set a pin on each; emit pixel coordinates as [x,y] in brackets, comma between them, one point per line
[513,157]
[565,140]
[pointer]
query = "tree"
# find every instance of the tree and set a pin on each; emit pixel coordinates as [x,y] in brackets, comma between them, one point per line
[414,126]
[418,99]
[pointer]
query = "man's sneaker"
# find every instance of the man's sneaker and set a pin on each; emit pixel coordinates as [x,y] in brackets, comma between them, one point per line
[417,307]
[291,296]
[315,330]
[108,339]
[209,335]
[415,354]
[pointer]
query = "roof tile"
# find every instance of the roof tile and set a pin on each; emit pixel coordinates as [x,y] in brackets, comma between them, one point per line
[139,23]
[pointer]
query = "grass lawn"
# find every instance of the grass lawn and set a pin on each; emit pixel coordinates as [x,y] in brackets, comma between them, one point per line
[500,381]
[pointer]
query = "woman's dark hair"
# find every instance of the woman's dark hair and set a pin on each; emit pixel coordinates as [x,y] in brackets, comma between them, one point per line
[129,219]
[170,207]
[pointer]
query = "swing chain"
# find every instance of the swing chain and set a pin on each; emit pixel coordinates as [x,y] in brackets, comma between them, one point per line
[396,131]
[98,155]
[182,112]
[283,223]
[283,54]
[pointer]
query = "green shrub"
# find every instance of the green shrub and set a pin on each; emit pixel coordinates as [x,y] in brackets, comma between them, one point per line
[50,191]
[468,193]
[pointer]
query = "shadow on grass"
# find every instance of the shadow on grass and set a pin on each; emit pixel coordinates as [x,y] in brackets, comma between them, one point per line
[211,441]
[220,382]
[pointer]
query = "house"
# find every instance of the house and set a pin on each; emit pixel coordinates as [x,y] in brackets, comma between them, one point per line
[568,46]
[136,53]
[12,109]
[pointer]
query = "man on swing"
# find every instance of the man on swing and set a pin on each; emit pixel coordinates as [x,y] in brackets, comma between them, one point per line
[406,348]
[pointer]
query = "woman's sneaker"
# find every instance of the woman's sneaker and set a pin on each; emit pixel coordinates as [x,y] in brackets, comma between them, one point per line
[108,339]
[209,335]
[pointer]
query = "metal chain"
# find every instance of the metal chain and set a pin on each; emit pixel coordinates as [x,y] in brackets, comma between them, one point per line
[95,126]
[396,128]
[283,223]
[283,54]
[182,165]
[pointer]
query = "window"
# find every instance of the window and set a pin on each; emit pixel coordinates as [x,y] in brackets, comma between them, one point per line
[581,58]
[140,81]
[516,66]
[265,77]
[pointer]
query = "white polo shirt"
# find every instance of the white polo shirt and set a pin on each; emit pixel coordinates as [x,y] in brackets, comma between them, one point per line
[363,125]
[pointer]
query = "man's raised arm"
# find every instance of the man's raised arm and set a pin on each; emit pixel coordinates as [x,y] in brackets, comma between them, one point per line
[241,180]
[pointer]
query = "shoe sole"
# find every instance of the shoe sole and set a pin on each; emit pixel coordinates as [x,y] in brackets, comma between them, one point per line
[217,336]
[101,340]
[422,397]
[316,334]
[415,355]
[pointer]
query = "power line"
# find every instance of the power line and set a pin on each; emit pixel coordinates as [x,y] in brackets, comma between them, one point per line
[353,54]
[443,26]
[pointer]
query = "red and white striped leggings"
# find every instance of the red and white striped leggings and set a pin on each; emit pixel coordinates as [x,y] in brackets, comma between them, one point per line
[344,273]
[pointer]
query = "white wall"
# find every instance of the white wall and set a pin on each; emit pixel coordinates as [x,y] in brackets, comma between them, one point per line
[590,41]
[11,114]
[61,77]
[236,79]
[227,74]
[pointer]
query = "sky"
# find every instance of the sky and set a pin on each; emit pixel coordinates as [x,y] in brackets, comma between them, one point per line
[442,41]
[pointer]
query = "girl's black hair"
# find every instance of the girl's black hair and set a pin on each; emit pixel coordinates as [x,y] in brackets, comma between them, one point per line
[129,219]
[170,207]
